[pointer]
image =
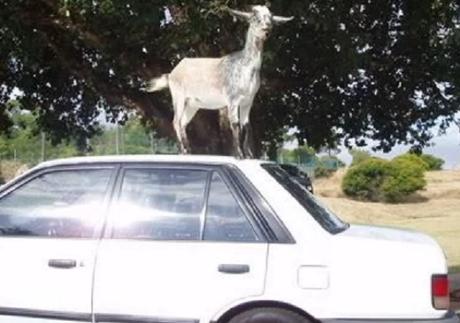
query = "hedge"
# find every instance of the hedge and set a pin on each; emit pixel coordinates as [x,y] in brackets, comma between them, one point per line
[381,180]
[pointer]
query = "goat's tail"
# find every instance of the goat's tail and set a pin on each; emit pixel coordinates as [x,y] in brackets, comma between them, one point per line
[157,84]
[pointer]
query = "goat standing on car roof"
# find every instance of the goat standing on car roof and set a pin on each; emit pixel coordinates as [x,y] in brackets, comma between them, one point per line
[231,81]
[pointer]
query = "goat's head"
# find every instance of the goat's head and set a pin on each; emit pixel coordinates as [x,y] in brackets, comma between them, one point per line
[260,19]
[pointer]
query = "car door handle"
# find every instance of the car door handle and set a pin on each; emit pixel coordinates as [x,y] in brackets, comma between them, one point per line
[62,263]
[233,269]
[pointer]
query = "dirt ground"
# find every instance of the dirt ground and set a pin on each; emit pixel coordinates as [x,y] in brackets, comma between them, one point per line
[10,169]
[435,211]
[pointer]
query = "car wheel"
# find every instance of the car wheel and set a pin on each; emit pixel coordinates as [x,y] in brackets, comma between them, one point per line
[269,315]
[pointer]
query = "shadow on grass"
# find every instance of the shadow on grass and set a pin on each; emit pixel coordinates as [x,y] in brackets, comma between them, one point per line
[414,198]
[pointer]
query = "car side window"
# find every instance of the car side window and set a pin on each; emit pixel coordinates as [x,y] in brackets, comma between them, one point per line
[225,219]
[160,204]
[59,204]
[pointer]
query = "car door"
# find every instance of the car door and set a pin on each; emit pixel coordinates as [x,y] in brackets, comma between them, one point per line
[181,246]
[50,224]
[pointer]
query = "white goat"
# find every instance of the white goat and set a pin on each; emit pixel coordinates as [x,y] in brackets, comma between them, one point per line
[231,81]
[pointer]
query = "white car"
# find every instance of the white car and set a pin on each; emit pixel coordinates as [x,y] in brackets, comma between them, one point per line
[146,239]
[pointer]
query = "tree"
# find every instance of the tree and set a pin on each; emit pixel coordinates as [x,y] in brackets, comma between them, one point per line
[388,70]
[299,155]
[24,140]
[132,138]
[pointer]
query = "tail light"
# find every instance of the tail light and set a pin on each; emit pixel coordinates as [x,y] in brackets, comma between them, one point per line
[440,292]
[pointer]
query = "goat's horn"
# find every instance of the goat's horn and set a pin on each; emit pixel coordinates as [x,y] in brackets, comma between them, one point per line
[239,14]
[281,20]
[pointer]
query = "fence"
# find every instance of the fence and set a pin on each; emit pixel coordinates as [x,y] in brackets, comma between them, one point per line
[311,164]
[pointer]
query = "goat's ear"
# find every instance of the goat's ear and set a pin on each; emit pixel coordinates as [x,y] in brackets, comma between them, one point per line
[281,20]
[240,14]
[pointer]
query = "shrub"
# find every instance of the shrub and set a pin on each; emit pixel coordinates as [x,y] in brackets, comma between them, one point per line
[327,166]
[364,180]
[380,180]
[406,177]
[414,159]
[434,163]
[322,171]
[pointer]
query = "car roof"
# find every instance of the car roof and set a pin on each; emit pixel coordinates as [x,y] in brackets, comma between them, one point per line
[200,159]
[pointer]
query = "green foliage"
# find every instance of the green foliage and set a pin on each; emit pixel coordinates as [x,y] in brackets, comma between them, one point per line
[324,166]
[406,176]
[381,180]
[433,162]
[413,158]
[327,166]
[300,155]
[428,162]
[133,138]
[364,181]
[358,156]
[348,65]
[322,171]
[24,142]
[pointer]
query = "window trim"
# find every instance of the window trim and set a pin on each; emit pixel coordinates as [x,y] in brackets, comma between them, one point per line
[210,168]
[204,211]
[285,182]
[268,220]
[27,178]
[247,212]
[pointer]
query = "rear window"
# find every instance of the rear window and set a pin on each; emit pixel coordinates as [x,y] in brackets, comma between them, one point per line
[326,218]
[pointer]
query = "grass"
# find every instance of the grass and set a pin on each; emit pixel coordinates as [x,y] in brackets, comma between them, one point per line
[435,211]
[9,169]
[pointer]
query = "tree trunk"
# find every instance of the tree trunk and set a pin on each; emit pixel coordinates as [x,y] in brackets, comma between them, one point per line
[209,133]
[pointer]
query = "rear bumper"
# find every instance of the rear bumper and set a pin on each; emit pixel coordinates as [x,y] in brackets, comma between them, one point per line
[450,317]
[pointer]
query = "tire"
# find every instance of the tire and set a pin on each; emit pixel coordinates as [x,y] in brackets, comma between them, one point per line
[269,315]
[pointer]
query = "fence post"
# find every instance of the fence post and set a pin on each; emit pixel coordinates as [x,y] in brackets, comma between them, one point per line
[117,139]
[43,141]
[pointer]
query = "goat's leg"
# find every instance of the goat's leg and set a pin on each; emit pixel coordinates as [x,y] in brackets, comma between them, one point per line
[246,129]
[179,107]
[178,130]
[247,141]
[233,115]
[187,116]
[236,132]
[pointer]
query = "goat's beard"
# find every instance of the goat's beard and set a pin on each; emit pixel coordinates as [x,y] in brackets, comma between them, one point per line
[262,35]
[260,43]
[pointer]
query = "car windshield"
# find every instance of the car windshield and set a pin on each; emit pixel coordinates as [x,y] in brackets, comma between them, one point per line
[326,218]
